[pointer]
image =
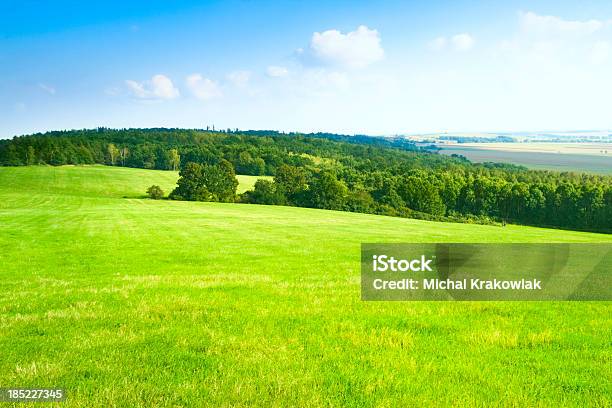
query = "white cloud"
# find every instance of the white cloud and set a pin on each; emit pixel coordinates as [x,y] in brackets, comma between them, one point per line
[355,49]
[311,82]
[558,43]
[137,88]
[48,89]
[437,44]
[277,72]
[462,42]
[532,22]
[203,88]
[112,91]
[239,78]
[459,42]
[159,87]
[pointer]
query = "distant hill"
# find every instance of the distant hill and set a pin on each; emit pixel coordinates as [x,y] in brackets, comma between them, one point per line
[386,176]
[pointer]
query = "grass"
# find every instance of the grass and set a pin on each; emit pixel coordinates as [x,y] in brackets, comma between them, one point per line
[139,303]
[97,181]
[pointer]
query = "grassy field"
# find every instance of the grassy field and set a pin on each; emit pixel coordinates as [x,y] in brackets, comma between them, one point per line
[133,302]
[589,158]
[113,182]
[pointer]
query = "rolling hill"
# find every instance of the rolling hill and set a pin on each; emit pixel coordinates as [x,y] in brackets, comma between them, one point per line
[133,302]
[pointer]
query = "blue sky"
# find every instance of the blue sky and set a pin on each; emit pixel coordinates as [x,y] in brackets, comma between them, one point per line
[351,66]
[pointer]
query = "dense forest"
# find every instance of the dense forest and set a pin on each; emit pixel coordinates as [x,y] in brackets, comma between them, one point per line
[389,176]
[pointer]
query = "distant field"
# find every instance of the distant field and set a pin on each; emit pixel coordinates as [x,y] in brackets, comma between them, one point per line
[138,303]
[595,149]
[580,157]
[102,180]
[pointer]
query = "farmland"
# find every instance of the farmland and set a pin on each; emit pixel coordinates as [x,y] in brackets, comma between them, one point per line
[126,301]
[579,157]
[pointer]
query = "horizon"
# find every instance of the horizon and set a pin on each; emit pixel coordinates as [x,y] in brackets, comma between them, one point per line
[576,133]
[338,67]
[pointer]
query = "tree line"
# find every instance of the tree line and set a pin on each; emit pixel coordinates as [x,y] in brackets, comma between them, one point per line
[335,172]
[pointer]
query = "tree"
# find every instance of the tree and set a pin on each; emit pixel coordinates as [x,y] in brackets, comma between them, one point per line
[386,194]
[400,180]
[591,203]
[113,152]
[84,155]
[243,163]
[451,187]
[12,156]
[123,152]
[57,157]
[326,191]
[420,193]
[359,200]
[189,185]
[199,182]
[224,181]
[155,192]
[174,159]
[149,158]
[258,167]
[567,203]
[246,164]
[264,192]
[30,156]
[291,181]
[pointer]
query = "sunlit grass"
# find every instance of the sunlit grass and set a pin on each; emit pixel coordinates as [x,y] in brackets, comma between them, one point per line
[135,302]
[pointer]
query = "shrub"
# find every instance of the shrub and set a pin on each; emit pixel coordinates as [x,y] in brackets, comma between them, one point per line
[155,192]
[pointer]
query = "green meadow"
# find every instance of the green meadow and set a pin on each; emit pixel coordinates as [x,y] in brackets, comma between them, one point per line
[130,302]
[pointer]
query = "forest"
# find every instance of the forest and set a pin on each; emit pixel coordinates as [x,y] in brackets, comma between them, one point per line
[388,176]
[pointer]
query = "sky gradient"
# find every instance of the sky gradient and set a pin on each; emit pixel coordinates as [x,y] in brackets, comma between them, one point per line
[349,67]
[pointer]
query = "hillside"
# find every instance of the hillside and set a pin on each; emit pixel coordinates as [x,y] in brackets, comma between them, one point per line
[220,304]
[336,172]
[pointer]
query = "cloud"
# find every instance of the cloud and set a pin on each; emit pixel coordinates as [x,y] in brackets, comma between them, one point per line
[437,44]
[203,88]
[277,72]
[356,49]
[556,42]
[48,89]
[532,22]
[462,42]
[459,42]
[112,91]
[239,78]
[159,87]
[316,82]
